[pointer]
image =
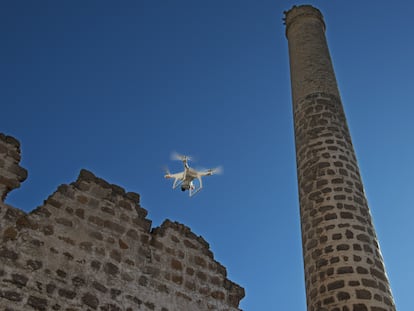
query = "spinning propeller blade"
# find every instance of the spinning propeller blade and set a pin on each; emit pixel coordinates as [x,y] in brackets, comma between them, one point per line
[217,171]
[166,170]
[212,171]
[180,157]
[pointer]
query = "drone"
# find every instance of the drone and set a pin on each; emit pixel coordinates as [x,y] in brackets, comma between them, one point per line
[186,178]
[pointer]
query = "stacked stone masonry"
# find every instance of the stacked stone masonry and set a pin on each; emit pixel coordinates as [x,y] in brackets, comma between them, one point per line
[91,247]
[344,268]
[12,174]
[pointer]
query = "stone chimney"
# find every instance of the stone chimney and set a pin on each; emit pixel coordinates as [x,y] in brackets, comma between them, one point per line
[344,269]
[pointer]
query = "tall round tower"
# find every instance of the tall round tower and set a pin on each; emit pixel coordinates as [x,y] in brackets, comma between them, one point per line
[344,269]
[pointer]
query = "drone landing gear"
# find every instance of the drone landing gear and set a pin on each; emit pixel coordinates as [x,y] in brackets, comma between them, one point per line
[177,183]
[193,192]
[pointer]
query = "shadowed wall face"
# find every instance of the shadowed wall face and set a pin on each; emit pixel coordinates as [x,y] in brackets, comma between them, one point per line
[344,269]
[12,174]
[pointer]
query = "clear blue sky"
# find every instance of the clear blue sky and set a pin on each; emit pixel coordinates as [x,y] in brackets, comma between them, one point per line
[115,86]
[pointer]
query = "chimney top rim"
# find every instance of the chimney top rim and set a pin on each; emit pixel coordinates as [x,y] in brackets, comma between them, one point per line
[302,11]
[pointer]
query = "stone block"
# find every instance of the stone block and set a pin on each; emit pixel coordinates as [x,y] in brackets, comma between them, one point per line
[8,254]
[19,280]
[37,303]
[11,295]
[66,293]
[111,269]
[90,300]
[9,233]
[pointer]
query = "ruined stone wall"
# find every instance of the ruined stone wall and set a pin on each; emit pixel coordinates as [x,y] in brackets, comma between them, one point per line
[11,173]
[91,247]
[344,268]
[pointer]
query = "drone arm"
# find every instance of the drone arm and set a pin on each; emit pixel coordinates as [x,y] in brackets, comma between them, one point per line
[178,178]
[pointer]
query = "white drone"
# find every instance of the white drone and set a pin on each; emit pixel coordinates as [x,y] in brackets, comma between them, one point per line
[185,179]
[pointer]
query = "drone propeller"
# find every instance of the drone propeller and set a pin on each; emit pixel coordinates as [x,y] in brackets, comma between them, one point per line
[218,170]
[214,171]
[166,170]
[180,157]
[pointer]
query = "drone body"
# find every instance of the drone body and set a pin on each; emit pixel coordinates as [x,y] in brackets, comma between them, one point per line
[186,178]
